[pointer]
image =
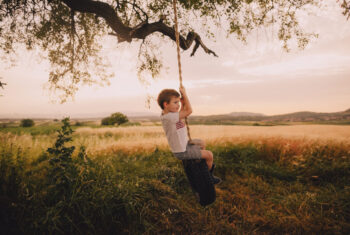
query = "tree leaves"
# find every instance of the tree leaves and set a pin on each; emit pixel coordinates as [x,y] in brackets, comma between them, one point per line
[71,32]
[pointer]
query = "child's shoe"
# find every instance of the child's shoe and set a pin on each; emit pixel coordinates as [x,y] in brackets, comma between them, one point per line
[216,180]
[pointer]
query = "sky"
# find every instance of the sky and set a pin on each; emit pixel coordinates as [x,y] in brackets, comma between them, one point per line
[255,77]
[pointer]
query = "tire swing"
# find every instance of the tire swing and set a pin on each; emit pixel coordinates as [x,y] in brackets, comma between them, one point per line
[196,170]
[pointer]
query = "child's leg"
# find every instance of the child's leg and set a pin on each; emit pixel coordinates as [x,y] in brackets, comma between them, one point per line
[208,156]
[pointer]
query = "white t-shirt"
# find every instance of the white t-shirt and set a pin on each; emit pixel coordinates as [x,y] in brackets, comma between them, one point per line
[175,131]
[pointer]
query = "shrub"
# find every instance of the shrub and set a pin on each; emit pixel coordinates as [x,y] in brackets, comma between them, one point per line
[77,123]
[106,121]
[62,169]
[115,118]
[27,123]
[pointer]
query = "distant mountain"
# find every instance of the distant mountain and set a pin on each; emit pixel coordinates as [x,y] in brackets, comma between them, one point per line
[304,116]
[245,114]
[311,116]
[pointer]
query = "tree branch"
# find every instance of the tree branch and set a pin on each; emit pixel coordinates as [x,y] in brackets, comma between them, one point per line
[141,31]
[2,85]
[134,6]
[105,11]
[346,6]
[147,29]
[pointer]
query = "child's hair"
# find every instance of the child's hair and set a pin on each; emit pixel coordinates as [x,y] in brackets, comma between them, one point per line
[165,96]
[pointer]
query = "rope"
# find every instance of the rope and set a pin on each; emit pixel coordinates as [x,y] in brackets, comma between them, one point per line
[179,61]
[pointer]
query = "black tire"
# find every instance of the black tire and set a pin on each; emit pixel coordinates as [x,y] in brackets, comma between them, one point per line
[200,180]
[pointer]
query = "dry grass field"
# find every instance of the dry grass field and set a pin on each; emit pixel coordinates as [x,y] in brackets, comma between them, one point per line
[147,138]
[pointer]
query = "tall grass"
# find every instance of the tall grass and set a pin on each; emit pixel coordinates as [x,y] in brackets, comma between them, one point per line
[288,181]
[147,138]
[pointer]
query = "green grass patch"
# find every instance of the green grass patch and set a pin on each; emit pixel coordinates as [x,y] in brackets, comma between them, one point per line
[45,129]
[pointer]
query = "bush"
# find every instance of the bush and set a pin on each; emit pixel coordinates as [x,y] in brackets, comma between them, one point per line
[77,123]
[115,118]
[106,121]
[27,123]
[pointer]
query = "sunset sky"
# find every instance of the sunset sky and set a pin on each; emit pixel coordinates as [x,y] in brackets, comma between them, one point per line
[257,77]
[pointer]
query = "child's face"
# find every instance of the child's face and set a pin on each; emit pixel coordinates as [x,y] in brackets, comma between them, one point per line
[173,105]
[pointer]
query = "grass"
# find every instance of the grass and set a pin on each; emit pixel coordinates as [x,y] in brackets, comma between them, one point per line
[289,180]
[34,130]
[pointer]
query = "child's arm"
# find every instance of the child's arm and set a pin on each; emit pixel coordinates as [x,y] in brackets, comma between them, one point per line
[186,108]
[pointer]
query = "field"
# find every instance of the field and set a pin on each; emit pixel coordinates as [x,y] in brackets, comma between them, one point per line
[124,180]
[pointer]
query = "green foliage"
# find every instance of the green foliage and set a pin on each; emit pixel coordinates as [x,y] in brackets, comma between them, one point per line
[27,123]
[115,118]
[46,129]
[131,124]
[62,172]
[65,176]
[72,40]
[119,118]
[70,43]
[107,121]
[77,123]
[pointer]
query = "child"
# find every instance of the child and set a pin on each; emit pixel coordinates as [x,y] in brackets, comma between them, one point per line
[175,129]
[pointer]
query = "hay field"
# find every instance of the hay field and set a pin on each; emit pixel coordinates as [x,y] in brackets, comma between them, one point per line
[147,138]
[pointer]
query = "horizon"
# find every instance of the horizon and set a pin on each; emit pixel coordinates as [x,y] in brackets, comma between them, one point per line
[17,116]
[258,77]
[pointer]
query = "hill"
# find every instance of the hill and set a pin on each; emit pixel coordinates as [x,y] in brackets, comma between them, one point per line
[304,116]
[311,116]
[245,114]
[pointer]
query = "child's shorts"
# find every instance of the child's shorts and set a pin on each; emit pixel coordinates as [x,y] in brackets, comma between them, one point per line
[193,151]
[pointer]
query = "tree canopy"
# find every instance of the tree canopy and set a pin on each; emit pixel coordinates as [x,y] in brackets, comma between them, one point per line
[115,118]
[69,32]
[27,123]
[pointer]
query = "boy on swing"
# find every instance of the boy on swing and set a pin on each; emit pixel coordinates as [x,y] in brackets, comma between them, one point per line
[176,131]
